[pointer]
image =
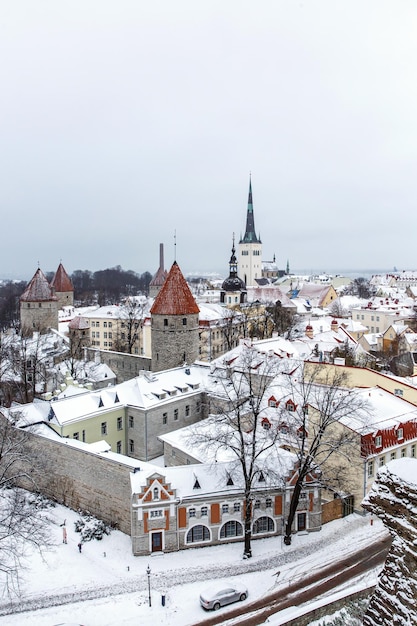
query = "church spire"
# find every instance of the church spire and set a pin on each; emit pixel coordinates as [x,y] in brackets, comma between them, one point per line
[250,235]
[233,261]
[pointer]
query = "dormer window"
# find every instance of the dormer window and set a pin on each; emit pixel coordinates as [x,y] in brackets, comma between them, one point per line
[156,493]
[378,441]
[400,433]
[290,406]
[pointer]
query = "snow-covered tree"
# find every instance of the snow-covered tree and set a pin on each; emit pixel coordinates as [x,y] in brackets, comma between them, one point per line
[238,405]
[314,410]
[22,514]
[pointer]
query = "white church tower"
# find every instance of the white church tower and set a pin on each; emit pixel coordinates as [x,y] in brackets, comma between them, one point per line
[250,248]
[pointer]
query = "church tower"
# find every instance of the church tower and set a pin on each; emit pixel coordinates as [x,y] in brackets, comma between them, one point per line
[174,323]
[250,248]
[233,290]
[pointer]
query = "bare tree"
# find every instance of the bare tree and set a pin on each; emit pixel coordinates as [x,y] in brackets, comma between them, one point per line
[22,514]
[239,405]
[232,327]
[131,325]
[285,319]
[28,365]
[321,403]
[337,309]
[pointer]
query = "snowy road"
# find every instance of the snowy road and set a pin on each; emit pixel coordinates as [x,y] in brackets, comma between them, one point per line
[107,586]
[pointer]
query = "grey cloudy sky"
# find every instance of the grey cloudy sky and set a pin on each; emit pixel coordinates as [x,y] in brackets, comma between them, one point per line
[125,121]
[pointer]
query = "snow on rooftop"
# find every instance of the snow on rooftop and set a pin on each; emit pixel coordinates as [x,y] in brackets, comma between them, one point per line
[405,468]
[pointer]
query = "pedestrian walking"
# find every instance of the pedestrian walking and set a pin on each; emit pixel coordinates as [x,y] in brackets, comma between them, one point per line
[64,535]
[80,545]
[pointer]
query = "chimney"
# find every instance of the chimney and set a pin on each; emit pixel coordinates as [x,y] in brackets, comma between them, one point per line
[161,256]
[309,331]
[334,326]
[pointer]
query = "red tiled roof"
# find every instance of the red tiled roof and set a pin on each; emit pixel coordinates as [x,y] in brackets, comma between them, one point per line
[175,297]
[61,281]
[38,290]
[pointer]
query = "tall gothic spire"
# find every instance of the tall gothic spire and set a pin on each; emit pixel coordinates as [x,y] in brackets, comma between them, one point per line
[250,235]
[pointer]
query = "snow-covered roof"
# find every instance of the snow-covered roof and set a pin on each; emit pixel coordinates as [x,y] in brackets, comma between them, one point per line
[212,477]
[144,391]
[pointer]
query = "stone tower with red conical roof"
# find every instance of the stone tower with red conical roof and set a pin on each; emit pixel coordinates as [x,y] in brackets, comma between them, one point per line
[38,306]
[64,289]
[174,323]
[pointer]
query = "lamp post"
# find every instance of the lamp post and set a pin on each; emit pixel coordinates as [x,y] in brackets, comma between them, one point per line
[148,571]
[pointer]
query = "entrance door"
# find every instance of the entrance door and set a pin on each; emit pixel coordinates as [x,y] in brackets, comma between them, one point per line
[156,542]
[301,521]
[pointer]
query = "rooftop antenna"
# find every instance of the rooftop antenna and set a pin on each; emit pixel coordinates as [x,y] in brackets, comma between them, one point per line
[175,245]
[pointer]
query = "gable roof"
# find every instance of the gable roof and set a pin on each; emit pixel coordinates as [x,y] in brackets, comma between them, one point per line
[38,290]
[175,297]
[61,282]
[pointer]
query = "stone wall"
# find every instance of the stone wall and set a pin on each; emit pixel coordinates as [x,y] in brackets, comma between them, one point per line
[80,479]
[173,342]
[125,366]
[327,609]
[38,316]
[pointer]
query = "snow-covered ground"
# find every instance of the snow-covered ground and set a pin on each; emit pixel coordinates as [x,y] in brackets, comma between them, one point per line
[105,585]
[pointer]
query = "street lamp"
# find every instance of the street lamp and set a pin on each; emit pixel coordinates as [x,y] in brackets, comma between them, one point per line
[148,571]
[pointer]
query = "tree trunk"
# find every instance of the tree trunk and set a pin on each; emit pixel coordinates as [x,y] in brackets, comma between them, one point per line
[293,509]
[247,551]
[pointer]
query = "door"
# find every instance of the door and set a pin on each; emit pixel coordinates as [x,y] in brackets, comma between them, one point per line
[301,521]
[156,542]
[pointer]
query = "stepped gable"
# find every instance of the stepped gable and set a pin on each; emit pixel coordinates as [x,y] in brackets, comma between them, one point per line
[393,498]
[38,290]
[175,297]
[61,282]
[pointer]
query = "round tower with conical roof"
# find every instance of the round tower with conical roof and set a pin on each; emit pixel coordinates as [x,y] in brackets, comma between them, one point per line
[174,323]
[63,287]
[38,306]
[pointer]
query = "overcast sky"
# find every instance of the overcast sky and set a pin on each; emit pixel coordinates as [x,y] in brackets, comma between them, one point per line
[123,122]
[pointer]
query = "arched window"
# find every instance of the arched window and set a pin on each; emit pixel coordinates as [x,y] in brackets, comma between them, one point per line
[232,528]
[198,533]
[156,493]
[263,525]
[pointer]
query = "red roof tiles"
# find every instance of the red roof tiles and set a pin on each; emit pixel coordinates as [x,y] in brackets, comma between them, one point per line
[38,290]
[175,297]
[61,282]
